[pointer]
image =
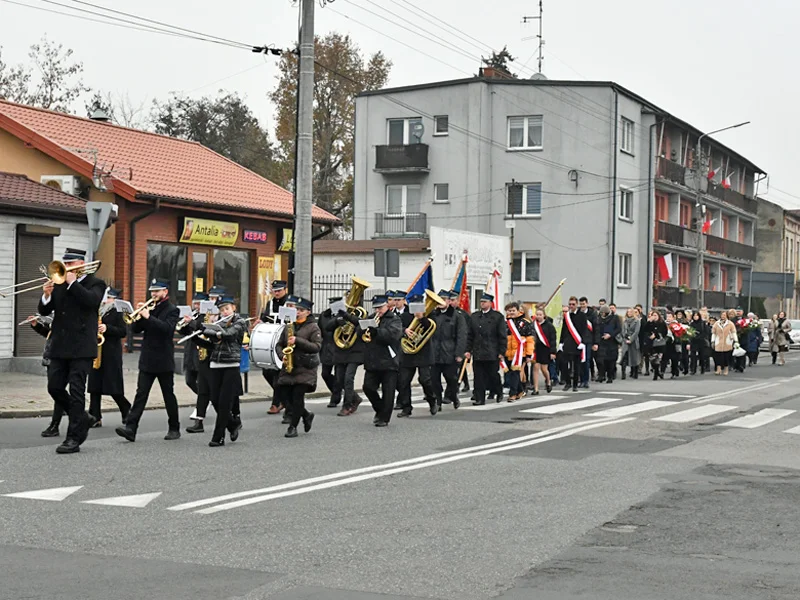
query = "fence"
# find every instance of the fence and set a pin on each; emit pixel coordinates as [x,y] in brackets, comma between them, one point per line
[328,286]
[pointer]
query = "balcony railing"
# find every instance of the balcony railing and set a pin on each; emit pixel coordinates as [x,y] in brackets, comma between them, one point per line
[405,225]
[677,173]
[673,296]
[675,235]
[668,169]
[411,158]
[733,198]
[722,300]
[730,248]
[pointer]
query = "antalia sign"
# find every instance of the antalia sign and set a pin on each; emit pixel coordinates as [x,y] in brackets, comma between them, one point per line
[210,233]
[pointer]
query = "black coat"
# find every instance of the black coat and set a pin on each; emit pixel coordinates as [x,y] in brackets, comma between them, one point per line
[450,339]
[354,354]
[191,357]
[74,330]
[228,347]
[487,335]
[591,336]
[270,313]
[158,346]
[549,331]
[608,349]
[579,320]
[327,324]
[382,353]
[423,358]
[108,379]
[305,358]
[657,328]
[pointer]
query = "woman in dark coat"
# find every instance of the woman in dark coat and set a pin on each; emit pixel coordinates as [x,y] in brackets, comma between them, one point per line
[608,330]
[107,380]
[699,344]
[306,344]
[654,336]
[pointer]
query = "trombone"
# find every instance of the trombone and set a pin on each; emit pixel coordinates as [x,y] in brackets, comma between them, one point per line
[56,272]
[137,314]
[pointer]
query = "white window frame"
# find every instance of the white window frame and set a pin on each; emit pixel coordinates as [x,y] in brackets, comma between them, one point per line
[626,200]
[436,187]
[625,269]
[525,124]
[524,214]
[406,128]
[627,133]
[534,254]
[437,133]
[405,187]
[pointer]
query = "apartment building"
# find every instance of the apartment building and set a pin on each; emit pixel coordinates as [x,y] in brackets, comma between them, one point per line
[589,181]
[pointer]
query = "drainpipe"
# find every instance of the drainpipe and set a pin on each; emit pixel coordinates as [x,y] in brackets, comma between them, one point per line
[614,199]
[132,254]
[650,203]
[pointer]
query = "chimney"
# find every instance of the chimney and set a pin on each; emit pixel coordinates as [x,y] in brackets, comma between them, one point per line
[98,114]
[494,73]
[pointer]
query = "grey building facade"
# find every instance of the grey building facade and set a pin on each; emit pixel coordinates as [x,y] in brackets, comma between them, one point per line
[579,169]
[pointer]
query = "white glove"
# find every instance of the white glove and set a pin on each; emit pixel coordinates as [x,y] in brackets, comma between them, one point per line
[561,347]
[581,346]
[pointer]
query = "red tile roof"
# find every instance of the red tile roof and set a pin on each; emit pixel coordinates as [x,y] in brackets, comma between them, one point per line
[20,193]
[150,164]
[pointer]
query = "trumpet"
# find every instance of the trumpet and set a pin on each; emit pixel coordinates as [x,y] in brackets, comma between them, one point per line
[367,336]
[55,272]
[137,314]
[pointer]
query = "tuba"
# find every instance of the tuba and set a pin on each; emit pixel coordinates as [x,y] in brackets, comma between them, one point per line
[421,335]
[345,335]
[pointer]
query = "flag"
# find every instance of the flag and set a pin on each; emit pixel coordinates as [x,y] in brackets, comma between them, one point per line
[726,183]
[707,225]
[665,266]
[713,172]
[424,281]
[493,288]
[553,310]
[459,285]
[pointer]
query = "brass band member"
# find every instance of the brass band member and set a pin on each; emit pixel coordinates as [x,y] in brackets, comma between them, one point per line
[420,362]
[107,379]
[224,380]
[327,324]
[198,352]
[190,361]
[156,361]
[449,344]
[382,360]
[280,292]
[73,344]
[298,375]
[486,344]
[347,362]
[42,327]
[455,302]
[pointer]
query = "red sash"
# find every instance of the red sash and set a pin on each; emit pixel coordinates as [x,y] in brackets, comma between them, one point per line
[540,333]
[573,331]
[519,355]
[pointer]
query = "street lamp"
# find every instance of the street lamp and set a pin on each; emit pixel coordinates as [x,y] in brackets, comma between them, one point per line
[697,175]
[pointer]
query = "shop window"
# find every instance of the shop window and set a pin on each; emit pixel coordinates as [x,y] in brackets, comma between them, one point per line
[232,270]
[166,261]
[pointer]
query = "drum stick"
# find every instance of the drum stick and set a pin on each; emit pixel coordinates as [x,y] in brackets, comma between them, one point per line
[463,369]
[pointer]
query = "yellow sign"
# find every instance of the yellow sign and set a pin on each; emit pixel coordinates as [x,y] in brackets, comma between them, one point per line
[198,285]
[210,233]
[287,241]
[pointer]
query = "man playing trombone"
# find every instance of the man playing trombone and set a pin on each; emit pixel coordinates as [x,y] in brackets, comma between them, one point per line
[73,342]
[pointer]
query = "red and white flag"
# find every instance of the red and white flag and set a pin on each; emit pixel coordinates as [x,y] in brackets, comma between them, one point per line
[714,172]
[665,267]
[707,225]
[726,183]
[494,289]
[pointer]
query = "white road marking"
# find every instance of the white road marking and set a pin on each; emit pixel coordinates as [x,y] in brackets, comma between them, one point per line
[492,405]
[410,461]
[622,393]
[137,501]
[693,414]
[795,430]
[673,396]
[53,494]
[731,393]
[395,471]
[559,408]
[762,417]
[624,411]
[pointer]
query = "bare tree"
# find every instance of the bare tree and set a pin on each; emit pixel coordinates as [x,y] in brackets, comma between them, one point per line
[120,109]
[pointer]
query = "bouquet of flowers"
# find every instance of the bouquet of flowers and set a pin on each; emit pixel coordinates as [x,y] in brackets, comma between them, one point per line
[681,332]
[745,325]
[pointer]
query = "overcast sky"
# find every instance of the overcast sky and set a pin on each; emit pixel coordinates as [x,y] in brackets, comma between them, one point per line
[710,63]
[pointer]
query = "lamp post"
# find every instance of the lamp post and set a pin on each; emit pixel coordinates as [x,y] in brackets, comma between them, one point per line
[698,211]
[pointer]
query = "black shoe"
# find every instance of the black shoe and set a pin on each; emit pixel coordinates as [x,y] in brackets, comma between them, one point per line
[128,434]
[456,404]
[68,447]
[398,407]
[479,403]
[235,428]
[434,408]
[51,431]
[624,376]
[499,398]
[90,422]
[549,388]
[381,424]
[465,388]
[567,387]
[173,434]
[291,432]
[574,388]
[197,427]
[287,419]
[375,420]
[332,404]
[216,443]
[307,421]
[601,380]
[446,401]
[404,413]
[610,380]
[98,423]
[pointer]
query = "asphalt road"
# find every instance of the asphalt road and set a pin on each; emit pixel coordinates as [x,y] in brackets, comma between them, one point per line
[667,490]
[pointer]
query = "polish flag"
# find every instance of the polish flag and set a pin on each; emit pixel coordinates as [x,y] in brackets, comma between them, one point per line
[726,183]
[494,289]
[713,172]
[707,225]
[664,264]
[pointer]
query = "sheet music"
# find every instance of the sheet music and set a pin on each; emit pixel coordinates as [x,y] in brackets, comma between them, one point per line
[392,353]
[287,314]
[417,307]
[209,307]
[337,306]
[185,310]
[123,306]
[367,323]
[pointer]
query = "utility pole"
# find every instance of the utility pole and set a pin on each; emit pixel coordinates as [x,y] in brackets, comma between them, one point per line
[305,150]
[541,40]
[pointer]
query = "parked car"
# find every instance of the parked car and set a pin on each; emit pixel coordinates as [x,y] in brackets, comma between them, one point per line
[765,335]
[794,334]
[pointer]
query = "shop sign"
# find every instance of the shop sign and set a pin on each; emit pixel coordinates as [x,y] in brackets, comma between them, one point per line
[210,233]
[286,244]
[254,236]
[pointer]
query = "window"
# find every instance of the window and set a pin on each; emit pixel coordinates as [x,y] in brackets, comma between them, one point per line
[624,277]
[626,143]
[232,270]
[662,207]
[726,227]
[525,133]
[683,272]
[526,267]
[440,125]
[626,204]
[441,192]
[524,199]
[400,131]
[167,261]
[402,199]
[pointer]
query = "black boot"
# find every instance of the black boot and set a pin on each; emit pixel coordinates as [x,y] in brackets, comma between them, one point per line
[197,427]
[623,377]
[635,372]
[51,431]
[655,372]
[291,432]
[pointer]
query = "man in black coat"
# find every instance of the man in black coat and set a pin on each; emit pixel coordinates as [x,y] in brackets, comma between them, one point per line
[487,340]
[449,345]
[198,351]
[574,332]
[382,360]
[280,292]
[410,363]
[190,358]
[156,361]
[73,343]
[590,340]
[327,324]
[455,302]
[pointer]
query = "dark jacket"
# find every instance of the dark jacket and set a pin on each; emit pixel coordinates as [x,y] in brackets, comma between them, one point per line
[450,339]
[423,358]
[382,353]
[44,331]
[608,349]
[703,338]
[579,320]
[549,331]
[228,347]
[191,358]
[74,311]
[487,335]
[657,328]
[354,354]
[591,336]
[158,346]
[270,313]
[108,379]
[327,324]
[754,340]
[305,357]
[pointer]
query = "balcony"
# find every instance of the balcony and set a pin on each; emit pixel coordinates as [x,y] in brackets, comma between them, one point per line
[411,158]
[717,300]
[678,174]
[675,235]
[717,245]
[406,225]
[671,171]
[733,198]
[673,296]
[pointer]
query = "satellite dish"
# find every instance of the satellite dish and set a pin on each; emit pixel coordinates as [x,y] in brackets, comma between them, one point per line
[538,76]
[417,130]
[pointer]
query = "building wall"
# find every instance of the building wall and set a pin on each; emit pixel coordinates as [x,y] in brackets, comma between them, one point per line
[769,235]
[361,265]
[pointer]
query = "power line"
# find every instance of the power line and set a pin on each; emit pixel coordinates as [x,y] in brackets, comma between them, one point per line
[462,35]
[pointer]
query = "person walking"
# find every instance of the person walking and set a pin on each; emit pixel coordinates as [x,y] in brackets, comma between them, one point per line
[327,325]
[487,340]
[630,352]
[779,329]
[699,344]
[449,345]
[608,334]
[347,361]
[754,341]
[723,339]
[574,331]
[412,363]
[382,360]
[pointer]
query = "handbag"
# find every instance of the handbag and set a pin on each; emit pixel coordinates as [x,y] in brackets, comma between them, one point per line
[659,342]
[739,351]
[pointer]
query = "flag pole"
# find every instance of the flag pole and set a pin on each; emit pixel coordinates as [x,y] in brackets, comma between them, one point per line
[458,271]
[421,271]
[555,291]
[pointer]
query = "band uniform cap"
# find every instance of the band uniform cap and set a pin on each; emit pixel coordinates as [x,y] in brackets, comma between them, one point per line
[216,290]
[444,294]
[416,298]
[112,293]
[223,300]
[333,299]
[159,284]
[71,254]
[303,303]
[279,284]
[398,295]
[378,301]
[487,298]
[200,297]
[454,294]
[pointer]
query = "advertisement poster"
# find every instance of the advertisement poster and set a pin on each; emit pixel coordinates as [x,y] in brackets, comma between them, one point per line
[209,233]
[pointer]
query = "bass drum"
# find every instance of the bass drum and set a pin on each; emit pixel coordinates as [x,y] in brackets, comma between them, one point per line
[263,346]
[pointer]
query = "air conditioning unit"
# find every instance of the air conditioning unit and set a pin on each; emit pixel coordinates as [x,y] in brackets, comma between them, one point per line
[69,184]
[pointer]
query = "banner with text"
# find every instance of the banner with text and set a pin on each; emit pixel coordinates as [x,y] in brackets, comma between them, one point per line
[209,233]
